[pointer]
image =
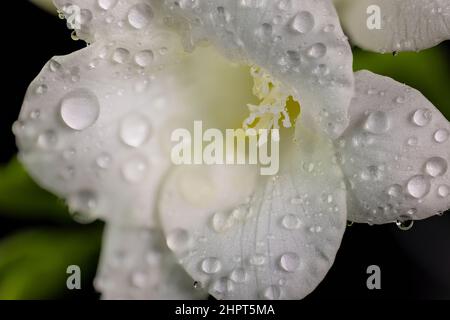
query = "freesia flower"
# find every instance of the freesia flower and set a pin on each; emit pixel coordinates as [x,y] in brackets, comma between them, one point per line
[95,129]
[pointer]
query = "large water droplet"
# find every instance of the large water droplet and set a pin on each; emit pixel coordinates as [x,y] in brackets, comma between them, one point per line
[289,261]
[436,166]
[179,240]
[303,22]
[443,190]
[405,223]
[222,221]
[211,265]
[143,58]
[140,15]
[422,117]
[134,130]
[106,4]
[120,55]
[418,186]
[82,204]
[441,135]
[80,109]
[317,50]
[377,122]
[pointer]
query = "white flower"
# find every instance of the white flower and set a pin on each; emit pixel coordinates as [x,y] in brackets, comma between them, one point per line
[95,129]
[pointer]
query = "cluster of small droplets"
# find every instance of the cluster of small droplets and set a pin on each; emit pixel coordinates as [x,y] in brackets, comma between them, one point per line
[273,98]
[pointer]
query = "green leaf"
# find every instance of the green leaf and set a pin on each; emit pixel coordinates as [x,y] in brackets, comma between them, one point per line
[21,197]
[33,264]
[427,71]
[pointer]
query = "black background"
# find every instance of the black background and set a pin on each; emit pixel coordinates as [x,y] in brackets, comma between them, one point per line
[414,264]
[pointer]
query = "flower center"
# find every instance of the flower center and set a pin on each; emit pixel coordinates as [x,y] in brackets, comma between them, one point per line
[276,103]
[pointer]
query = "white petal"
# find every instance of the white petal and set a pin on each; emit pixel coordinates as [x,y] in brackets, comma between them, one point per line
[300,43]
[95,126]
[91,128]
[406,25]
[243,236]
[395,153]
[136,264]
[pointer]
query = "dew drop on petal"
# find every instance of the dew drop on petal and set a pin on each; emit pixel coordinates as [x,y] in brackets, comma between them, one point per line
[134,130]
[289,261]
[135,170]
[418,186]
[422,117]
[436,166]
[395,190]
[303,22]
[443,191]
[211,265]
[239,275]
[143,58]
[179,240]
[316,51]
[106,4]
[291,221]
[377,122]
[80,109]
[120,55]
[140,15]
[441,135]
[271,293]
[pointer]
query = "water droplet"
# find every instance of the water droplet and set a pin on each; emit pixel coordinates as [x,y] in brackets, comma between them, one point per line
[257,260]
[395,190]
[211,265]
[418,186]
[120,55]
[134,130]
[221,221]
[41,89]
[441,135]
[106,4]
[377,122]
[272,293]
[47,140]
[221,287]
[82,204]
[405,223]
[303,22]
[436,166]
[412,141]
[422,117]
[291,222]
[239,275]
[80,109]
[317,50]
[443,190]
[140,15]
[103,161]
[179,240]
[289,261]
[143,58]
[135,169]
[54,66]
